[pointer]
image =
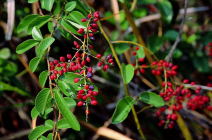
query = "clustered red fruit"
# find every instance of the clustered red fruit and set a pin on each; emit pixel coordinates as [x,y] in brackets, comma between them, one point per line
[77,65]
[92,26]
[209,49]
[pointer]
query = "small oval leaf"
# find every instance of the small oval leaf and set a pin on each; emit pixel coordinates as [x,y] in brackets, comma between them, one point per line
[50,136]
[26,45]
[44,45]
[49,124]
[36,34]
[152,99]
[65,111]
[33,64]
[37,132]
[41,100]
[67,89]
[127,72]
[122,109]
[70,102]
[62,124]
[34,113]
[70,6]
[43,77]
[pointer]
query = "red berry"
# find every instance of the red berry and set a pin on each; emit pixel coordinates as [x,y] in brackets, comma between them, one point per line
[56,62]
[52,77]
[76,80]
[136,48]
[99,64]
[64,69]
[69,56]
[95,93]
[55,71]
[94,30]
[89,15]
[91,46]
[94,25]
[84,97]
[87,112]
[110,60]
[142,71]
[88,59]
[60,72]
[80,103]
[81,30]
[81,91]
[134,53]
[96,19]
[77,54]
[75,43]
[105,67]
[98,55]
[86,87]
[58,65]
[62,59]
[85,36]
[90,34]
[83,20]
[51,63]
[185,81]
[89,27]
[154,63]
[141,60]
[94,102]
[79,96]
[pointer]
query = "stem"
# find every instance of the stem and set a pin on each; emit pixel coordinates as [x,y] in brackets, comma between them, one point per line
[125,85]
[133,5]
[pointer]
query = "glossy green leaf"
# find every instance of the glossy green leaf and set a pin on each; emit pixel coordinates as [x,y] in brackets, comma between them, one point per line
[67,89]
[50,102]
[65,111]
[166,10]
[37,132]
[49,124]
[7,87]
[191,38]
[47,4]
[44,45]
[39,22]
[171,35]
[26,45]
[34,113]
[70,27]
[36,34]
[41,100]
[42,138]
[5,53]
[32,1]
[127,72]
[62,124]
[152,99]
[50,136]
[33,64]
[70,102]
[144,2]
[46,113]
[69,78]
[10,69]
[75,24]
[122,110]
[70,6]
[122,1]
[76,17]
[23,25]
[43,77]
[154,43]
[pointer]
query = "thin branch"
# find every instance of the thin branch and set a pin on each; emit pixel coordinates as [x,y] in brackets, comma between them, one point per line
[180,33]
[202,87]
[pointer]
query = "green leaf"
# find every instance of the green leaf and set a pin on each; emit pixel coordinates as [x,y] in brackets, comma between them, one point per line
[50,102]
[76,17]
[70,6]
[5,53]
[33,64]
[34,113]
[154,43]
[7,87]
[122,1]
[44,45]
[127,72]
[47,4]
[43,77]
[65,111]
[67,89]
[75,24]
[152,99]
[144,2]
[42,138]
[26,45]
[177,53]
[69,78]
[70,102]
[32,1]
[39,22]
[41,99]
[23,25]
[9,69]
[171,35]
[69,27]
[50,136]
[191,38]
[36,34]
[49,124]
[37,132]
[46,113]
[140,53]
[122,110]
[63,124]
[166,10]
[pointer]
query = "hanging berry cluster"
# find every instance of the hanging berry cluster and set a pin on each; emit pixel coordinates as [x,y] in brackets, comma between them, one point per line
[208,49]
[78,64]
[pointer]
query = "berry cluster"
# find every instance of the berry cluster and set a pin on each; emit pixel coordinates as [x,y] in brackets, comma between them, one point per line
[91,25]
[209,49]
